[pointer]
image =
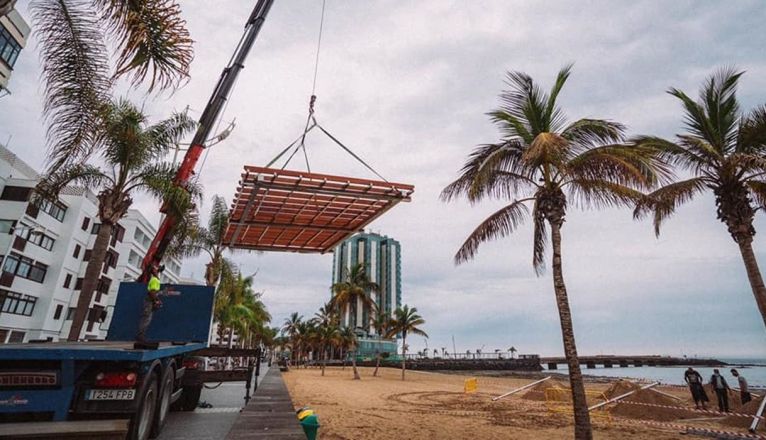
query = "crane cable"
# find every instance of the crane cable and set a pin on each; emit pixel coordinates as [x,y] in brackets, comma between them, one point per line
[311,122]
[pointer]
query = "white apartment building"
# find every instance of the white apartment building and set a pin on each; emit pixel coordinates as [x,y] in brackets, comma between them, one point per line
[44,250]
[13,37]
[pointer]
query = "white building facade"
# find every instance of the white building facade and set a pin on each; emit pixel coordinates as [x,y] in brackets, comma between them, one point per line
[45,247]
[13,37]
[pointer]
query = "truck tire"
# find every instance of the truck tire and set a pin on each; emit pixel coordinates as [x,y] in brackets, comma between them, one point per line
[189,398]
[163,401]
[143,419]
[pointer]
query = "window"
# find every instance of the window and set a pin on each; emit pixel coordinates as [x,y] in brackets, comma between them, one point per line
[86,256]
[76,252]
[9,48]
[57,313]
[25,268]
[54,209]
[6,226]
[16,303]
[142,238]
[36,237]
[16,193]
[85,223]
[67,280]
[37,272]
[3,335]
[70,313]
[96,227]
[78,284]
[134,259]
[118,233]
[16,337]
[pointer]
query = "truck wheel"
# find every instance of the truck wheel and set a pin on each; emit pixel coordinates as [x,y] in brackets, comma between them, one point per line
[189,398]
[163,401]
[143,419]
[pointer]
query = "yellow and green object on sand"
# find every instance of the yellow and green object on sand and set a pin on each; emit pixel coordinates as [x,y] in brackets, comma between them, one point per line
[309,422]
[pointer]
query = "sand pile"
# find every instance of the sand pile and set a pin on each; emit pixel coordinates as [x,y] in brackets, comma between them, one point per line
[537,392]
[621,387]
[742,422]
[648,412]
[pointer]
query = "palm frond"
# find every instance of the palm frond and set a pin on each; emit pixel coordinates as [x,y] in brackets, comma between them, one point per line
[631,165]
[219,218]
[586,133]
[596,193]
[483,159]
[168,133]
[758,192]
[498,225]
[86,175]
[663,202]
[747,163]
[153,40]
[75,71]
[553,113]
[671,153]
[752,132]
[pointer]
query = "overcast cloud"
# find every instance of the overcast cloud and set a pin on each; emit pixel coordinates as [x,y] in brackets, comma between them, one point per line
[407,84]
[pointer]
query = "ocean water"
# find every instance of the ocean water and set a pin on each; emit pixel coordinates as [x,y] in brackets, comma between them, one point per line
[755,375]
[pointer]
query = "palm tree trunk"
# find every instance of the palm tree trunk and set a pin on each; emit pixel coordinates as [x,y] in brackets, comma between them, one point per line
[343,357]
[90,281]
[377,364]
[583,429]
[353,364]
[323,353]
[404,353]
[754,276]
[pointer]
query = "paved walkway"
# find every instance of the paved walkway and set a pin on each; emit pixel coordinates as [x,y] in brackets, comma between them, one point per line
[210,423]
[270,413]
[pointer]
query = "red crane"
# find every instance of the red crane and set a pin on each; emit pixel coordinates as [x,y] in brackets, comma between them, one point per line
[206,122]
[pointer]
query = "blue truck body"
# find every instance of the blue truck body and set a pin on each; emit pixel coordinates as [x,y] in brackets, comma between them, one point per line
[49,381]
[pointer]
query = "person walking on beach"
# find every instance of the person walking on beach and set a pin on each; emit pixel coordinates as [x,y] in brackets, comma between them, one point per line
[744,392]
[694,379]
[721,390]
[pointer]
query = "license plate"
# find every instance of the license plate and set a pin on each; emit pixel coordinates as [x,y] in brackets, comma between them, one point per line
[110,395]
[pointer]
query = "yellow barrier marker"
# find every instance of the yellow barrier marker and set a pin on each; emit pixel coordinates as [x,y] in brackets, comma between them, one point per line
[471,385]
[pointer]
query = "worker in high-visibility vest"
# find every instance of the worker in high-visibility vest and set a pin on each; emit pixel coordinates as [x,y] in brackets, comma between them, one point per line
[152,302]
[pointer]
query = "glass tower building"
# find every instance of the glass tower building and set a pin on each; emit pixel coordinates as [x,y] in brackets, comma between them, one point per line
[381,256]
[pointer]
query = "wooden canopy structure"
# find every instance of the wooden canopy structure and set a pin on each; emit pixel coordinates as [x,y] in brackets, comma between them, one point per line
[295,211]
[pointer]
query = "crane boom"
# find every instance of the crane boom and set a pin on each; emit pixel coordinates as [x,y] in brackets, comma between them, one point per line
[206,122]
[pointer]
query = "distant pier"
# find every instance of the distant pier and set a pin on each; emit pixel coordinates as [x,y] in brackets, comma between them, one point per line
[532,362]
[612,361]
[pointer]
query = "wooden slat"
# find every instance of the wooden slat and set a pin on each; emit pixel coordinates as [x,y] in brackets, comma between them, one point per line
[305,212]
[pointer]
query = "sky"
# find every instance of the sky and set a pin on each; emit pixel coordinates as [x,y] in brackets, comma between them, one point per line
[407,84]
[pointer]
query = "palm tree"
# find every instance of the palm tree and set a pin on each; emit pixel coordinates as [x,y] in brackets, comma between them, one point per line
[354,289]
[150,41]
[544,162]
[406,320]
[349,344]
[329,336]
[209,240]
[724,150]
[512,350]
[382,324]
[290,328]
[131,154]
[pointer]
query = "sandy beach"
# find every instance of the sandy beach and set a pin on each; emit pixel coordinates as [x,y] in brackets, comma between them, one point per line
[433,405]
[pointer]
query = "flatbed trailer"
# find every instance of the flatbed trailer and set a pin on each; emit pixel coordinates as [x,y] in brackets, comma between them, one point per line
[48,388]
